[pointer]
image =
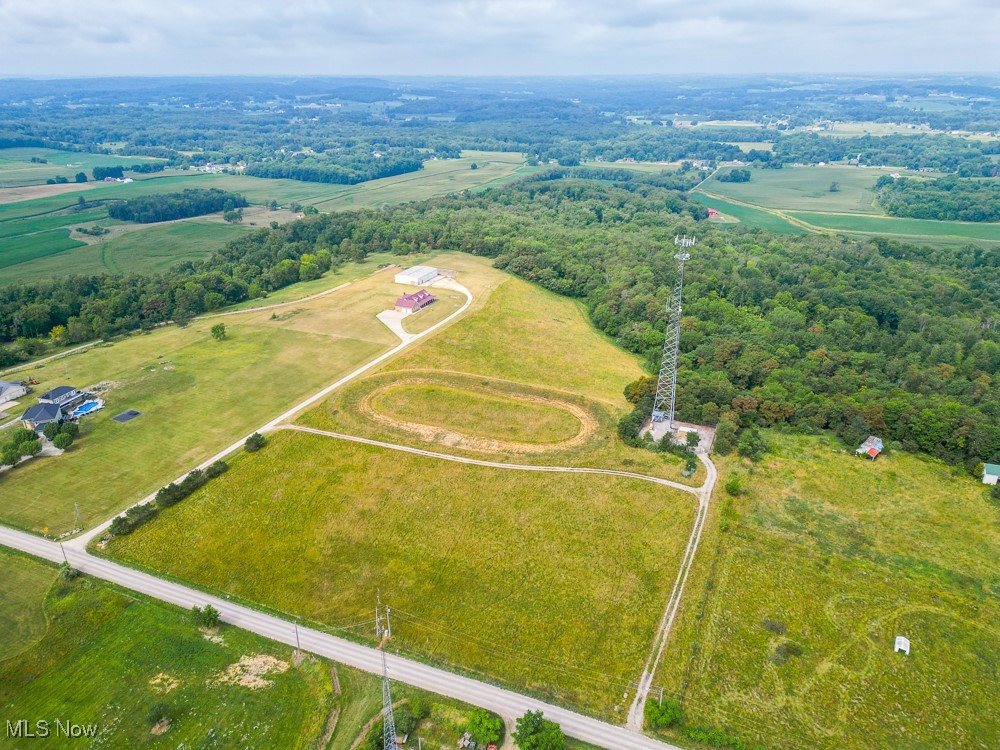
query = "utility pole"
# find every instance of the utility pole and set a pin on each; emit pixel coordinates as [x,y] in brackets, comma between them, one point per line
[79,521]
[63,549]
[666,385]
[388,720]
[298,646]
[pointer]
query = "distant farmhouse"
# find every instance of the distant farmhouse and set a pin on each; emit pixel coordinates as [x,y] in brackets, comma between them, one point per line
[417,276]
[991,473]
[411,303]
[872,447]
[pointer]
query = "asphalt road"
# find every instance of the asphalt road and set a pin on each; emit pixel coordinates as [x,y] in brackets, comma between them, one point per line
[504,702]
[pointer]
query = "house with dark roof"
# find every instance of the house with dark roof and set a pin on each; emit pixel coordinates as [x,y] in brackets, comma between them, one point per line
[37,416]
[410,303]
[872,447]
[61,396]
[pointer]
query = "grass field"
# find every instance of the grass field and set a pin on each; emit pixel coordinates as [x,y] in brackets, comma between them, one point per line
[23,586]
[836,556]
[748,215]
[17,169]
[914,228]
[35,241]
[557,589]
[521,343]
[196,396]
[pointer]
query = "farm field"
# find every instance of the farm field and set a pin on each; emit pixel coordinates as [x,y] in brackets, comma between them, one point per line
[524,346]
[23,586]
[748,215]
[650,167]
[826,559]
[35,241]
[107,657]
[527,590]
[914,228]
[17,169]
[196,396]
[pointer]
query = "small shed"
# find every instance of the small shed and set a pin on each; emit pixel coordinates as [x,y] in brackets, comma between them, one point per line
[872,447]
[991,473]
[902,644]
[417,275]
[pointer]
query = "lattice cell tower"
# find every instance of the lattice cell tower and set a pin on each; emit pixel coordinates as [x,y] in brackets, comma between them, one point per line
[388,720]
[666,386]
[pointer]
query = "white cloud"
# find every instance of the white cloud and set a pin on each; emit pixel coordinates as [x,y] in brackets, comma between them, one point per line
[464,37]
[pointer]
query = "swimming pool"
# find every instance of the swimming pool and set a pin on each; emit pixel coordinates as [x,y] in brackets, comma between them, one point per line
[87,407]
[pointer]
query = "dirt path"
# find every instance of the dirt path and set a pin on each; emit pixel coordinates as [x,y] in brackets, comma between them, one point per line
[455,439]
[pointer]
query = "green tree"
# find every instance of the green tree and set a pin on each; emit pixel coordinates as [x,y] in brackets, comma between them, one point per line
[752,444]
[725,436]
[233,215]
[70,428]
[51,430]
[535,732]
[10,456]
[692,439]
[81,177]
[485,727]
[157,713]
[219,331]
[62,441]
[254,443]
[834,187]
[663,716]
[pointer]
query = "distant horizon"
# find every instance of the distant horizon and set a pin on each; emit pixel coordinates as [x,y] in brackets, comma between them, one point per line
[495,38]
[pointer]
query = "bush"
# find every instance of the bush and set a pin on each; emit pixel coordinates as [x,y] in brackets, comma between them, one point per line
[406,722]
[169,495]
[10,456]
[157,712]
[62,441]
[534,732]
[205,617]
[67,572]
[485,727]
[734,485]
[30,448]
[663,716]
[133,517]
[421,708]
[69,428]
[254,443]
[51,430]
[214,470]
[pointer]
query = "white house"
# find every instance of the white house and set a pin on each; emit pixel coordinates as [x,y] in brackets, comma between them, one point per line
[991,472]
[417,276]
[10,390]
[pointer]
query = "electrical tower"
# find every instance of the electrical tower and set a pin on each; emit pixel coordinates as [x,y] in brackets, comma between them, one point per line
[666,386]
[388,721]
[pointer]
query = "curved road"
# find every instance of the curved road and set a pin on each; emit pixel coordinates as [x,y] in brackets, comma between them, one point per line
[507,703]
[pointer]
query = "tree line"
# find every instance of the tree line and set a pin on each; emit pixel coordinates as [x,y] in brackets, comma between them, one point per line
[949,197]
[147,209]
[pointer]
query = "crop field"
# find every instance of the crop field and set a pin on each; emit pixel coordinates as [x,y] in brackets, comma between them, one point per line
[748,215]
[826,559]
[17,169]
[556,589]
[196,396]
[649,167]
[914,228]
[523,349]
[23,587]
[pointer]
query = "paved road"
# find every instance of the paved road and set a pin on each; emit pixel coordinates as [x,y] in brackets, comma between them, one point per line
[504,702]
[81,541]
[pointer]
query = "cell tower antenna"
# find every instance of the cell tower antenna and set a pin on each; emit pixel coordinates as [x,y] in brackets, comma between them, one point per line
[388,720]
[666,385]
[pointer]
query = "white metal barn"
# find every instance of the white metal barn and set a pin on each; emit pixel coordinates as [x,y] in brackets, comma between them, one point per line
[991,472]
[417,276]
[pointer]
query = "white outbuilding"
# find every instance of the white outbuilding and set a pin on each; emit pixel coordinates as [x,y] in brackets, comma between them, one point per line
[417,276]
[991,473]
[902,644]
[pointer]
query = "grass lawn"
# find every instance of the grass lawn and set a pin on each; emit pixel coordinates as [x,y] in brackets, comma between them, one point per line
[557,589]
[108,657]
[751,217]
[196,396]
[787,637]
[23,586]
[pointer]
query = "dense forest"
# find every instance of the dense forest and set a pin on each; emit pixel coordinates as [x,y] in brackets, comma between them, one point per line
[945,198]
[347,166]
[147,209]
[810,332]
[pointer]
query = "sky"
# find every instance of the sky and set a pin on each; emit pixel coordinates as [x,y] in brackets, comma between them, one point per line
[496,37]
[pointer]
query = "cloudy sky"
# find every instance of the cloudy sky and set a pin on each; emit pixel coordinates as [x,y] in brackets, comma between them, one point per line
[495,37]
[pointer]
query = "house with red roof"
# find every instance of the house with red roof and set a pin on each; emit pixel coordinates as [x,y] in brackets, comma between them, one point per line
[411,303]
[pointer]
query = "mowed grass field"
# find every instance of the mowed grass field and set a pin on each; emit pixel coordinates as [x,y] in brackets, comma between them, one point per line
[786,639]
[23,585]
[196,395]
[35,241]
[521,342]
[548,582]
